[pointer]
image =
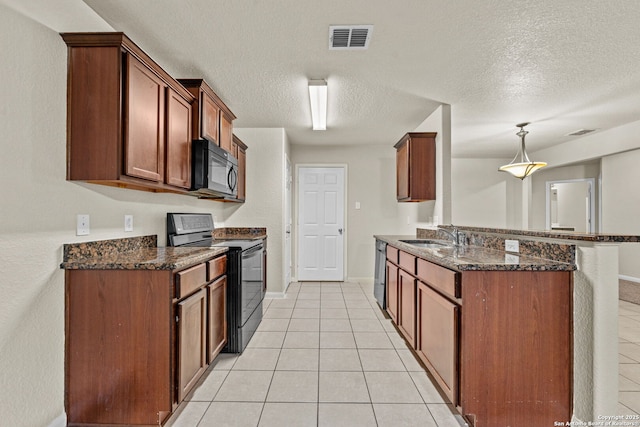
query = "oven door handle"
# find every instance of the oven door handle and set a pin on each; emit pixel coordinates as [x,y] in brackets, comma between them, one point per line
[248,252]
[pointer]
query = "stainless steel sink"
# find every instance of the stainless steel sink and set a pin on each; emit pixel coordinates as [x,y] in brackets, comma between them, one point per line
[430,244]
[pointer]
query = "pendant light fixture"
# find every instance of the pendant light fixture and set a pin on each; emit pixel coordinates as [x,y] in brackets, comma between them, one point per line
[521,167]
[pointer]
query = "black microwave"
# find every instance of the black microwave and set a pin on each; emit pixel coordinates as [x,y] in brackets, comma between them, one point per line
[214,171]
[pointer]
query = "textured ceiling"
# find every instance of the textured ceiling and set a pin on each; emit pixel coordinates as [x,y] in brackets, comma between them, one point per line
[562,65]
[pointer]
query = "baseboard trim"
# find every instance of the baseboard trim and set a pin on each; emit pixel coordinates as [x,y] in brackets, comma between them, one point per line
[628,278]
[360,279]
[274,295]
[60,421]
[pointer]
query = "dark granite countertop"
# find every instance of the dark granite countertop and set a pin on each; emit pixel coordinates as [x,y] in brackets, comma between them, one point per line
[558,234]
[137,253]
[240,233]
[466,258]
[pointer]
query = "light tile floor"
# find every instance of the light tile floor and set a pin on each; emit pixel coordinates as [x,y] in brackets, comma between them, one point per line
[629,358]
[323,356]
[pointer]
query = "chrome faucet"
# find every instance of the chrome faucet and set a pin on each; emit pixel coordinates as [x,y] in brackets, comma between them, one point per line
[454,234]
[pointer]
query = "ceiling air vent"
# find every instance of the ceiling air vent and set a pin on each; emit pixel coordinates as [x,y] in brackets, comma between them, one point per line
[349,37]
[581,132]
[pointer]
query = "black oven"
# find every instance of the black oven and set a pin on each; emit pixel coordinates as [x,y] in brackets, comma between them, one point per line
[245,273]
[214,171]
[245,291]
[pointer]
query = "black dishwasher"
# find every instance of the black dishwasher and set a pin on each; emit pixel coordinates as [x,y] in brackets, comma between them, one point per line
[380,279]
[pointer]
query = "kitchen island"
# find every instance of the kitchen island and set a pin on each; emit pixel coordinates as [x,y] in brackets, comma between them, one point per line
[492,328]
[594,306]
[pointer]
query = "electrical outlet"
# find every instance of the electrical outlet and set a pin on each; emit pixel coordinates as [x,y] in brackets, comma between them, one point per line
[82,225]
[128,223]
[512,246]
[511,259]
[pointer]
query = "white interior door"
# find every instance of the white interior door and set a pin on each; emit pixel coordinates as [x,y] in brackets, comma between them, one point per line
[321,224]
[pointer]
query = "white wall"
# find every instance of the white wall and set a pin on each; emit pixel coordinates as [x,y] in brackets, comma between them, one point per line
[621,206]
[482,196]
[38,211]
[371,180]
[439,121]
[264,206]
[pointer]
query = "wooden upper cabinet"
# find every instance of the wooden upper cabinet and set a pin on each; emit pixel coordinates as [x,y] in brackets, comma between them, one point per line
[145,121]
[122,111]
[239,150]
[212,119]
[178,141]
[226,132]
[210,122]
[416,167]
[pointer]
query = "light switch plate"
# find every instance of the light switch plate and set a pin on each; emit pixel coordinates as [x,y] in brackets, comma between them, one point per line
[128,223]
[357,205]
[82,225]
[512,246]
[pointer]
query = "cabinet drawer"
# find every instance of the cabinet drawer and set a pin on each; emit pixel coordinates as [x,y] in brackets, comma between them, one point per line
[408,262]
[440,278]
[190,279]
[392,254]
[217,267]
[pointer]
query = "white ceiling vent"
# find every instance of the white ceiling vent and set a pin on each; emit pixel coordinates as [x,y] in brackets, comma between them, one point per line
[581,132]
[349,37]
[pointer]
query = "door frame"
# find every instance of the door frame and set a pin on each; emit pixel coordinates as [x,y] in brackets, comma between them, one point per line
[296,219]
[594,223]
[288,208]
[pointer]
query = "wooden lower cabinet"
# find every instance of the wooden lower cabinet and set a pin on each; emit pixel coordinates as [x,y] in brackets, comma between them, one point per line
[516,360]
[217,300]
[392,291]
[137,341]
[407,307]
[437,338]
[192,341]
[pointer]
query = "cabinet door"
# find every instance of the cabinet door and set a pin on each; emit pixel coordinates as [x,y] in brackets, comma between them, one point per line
[145,122]
[210,119]
[407,306]
[437,338]
[178,141]
[192,337]
[226,132]
[392,291]
[217,317]
[242,170]
[402,171]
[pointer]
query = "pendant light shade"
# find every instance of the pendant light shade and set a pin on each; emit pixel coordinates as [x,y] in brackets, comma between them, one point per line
[521,167]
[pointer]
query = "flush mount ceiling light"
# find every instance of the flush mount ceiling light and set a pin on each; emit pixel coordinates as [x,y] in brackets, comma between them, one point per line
[318,98]
[521,167]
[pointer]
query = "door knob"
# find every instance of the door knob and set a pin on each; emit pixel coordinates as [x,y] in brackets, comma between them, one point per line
[340,230]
